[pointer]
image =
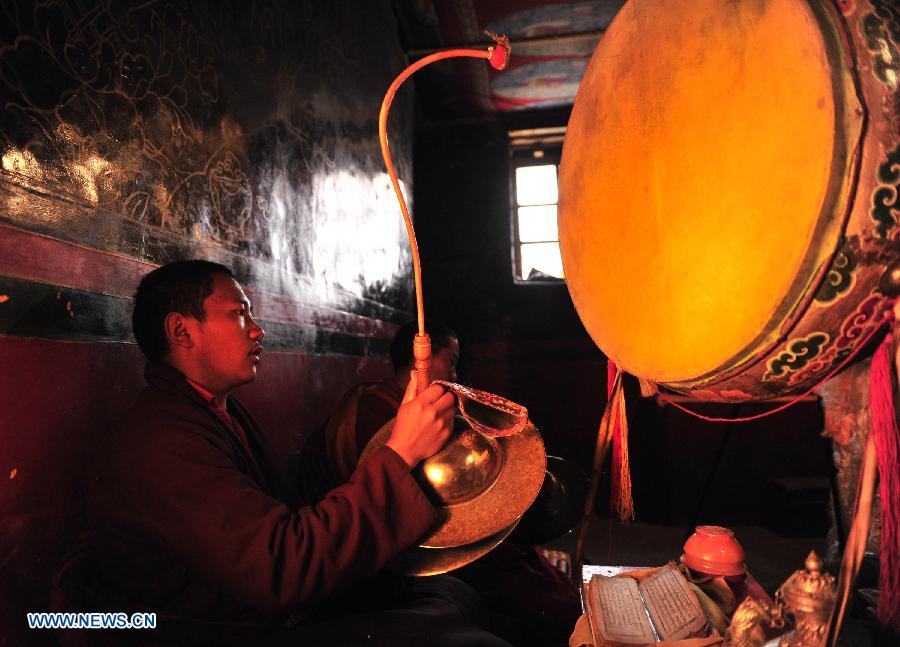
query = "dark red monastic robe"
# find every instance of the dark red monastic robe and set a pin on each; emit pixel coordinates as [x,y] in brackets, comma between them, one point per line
[185,522]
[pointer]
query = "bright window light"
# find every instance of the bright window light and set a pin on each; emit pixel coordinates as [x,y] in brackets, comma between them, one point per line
[541,257]
[536,185]
[537,224]
[534,157]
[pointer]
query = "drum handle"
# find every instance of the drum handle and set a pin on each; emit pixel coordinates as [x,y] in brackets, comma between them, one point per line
[498,56]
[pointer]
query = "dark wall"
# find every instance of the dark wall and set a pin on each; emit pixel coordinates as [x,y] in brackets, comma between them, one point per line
[687,471]
[135,133]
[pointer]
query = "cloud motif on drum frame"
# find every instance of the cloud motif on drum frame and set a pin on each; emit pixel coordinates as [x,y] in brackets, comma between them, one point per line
[839,278]
[886,199]
[798,354]
[882,31]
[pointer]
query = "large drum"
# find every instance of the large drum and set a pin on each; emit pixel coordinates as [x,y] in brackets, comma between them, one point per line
[729,189]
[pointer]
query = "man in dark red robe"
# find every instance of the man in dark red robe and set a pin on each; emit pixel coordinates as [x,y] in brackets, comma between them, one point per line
[191,518]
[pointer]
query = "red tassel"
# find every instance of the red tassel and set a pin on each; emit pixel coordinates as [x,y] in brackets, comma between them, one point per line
[883,425]
[616,466]
[620,472]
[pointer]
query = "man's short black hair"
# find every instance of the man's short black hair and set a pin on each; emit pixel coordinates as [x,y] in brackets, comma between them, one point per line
[180,287]
[402,345]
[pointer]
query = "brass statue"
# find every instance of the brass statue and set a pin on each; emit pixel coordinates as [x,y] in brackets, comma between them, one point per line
[750,621]
[807,597]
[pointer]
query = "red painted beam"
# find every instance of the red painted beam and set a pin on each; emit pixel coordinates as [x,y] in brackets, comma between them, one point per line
[41,258]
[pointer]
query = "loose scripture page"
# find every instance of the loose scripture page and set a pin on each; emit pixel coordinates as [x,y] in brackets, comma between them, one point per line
[673,607]
[616,613]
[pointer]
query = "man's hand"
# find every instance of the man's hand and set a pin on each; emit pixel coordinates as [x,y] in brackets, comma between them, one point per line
[423,423]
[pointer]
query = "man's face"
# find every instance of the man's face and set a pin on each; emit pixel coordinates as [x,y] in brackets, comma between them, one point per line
[443,363]
[228,340]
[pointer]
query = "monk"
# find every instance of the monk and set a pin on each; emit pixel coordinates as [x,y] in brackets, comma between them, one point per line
[192,519]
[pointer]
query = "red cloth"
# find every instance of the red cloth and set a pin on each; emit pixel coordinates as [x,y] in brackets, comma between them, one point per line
[186,521]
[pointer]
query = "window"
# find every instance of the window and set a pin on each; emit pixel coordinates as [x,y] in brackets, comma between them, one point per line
[535,164]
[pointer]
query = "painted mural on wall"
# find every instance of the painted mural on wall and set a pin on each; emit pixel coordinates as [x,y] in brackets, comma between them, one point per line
[240,131]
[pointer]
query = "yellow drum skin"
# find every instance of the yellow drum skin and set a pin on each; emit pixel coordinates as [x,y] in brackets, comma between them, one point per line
[728,190]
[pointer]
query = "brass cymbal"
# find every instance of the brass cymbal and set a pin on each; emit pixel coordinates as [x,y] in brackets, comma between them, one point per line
[421,561]
[559,505]
[483,485]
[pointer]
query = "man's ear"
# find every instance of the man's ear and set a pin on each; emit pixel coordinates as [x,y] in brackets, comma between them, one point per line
[178,331]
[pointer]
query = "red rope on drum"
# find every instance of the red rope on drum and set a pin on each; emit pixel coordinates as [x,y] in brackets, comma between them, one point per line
[498,56]
[888,318]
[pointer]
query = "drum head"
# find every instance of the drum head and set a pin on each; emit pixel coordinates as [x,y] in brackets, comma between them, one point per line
[704,180]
